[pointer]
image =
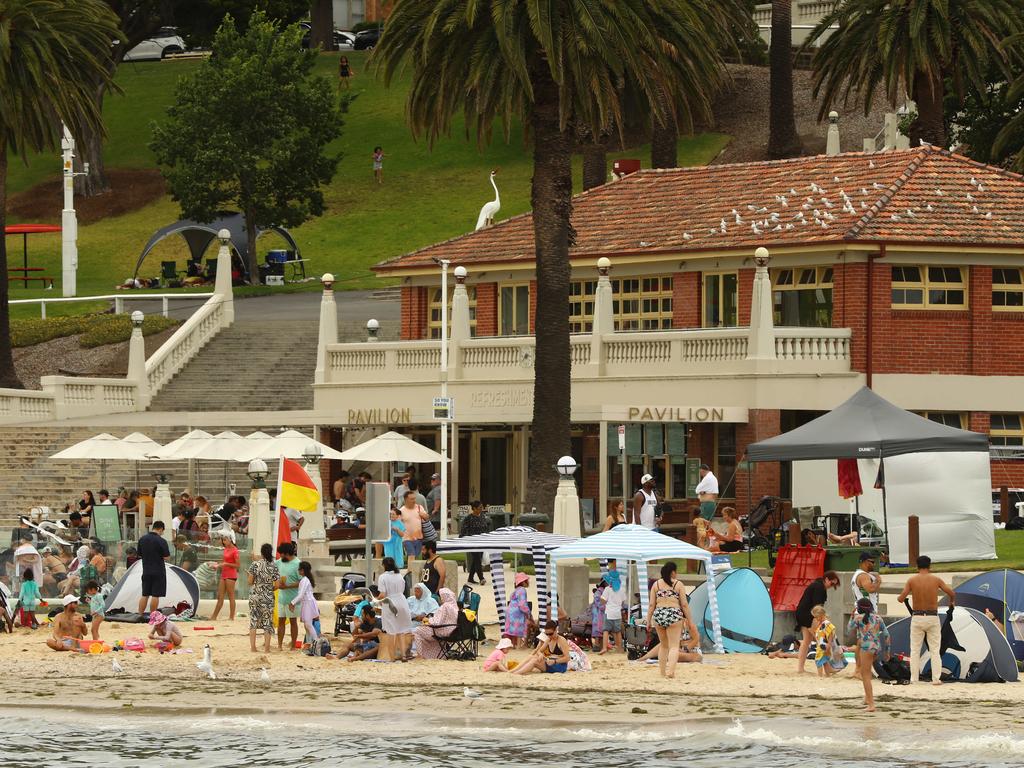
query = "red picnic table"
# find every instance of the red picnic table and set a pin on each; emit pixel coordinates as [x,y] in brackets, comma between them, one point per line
[25,230]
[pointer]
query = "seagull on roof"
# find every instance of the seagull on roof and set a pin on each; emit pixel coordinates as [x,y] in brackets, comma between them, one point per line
[754,228]
[974,209]
[981,187]
[895,217]
[721,226]
[970,197]
[863,204]
[777,228]
[792,192]
[687,236]
[939,192]
[929,208]
[876,185]
[871,163]
[864,191]
[910,213]
[974,182]
[988,215]
[836,179]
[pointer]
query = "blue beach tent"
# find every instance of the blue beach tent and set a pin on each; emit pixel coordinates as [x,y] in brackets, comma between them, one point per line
[1002,593]
[744,610]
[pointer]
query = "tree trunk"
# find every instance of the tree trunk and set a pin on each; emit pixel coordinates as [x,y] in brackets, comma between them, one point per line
[551,197]
[783,139]
[321,18]
[250,249]
[89,149]
[8,376]
[664,137]
[595,165]
[930,124]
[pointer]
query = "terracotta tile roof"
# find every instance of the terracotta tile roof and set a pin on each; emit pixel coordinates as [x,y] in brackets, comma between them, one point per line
[923,195]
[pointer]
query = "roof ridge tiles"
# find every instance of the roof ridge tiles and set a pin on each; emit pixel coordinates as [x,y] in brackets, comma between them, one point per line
[918,158]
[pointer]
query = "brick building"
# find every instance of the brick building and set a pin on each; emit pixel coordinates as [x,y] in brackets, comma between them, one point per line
[899,270]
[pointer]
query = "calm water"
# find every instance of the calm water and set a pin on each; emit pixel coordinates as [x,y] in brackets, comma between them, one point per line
[44,738]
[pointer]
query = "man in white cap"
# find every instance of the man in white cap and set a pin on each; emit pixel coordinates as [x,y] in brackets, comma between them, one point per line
[68,627]
[645,504]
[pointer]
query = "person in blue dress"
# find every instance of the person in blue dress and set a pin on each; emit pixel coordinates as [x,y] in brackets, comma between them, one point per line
[518,617]
[393,547]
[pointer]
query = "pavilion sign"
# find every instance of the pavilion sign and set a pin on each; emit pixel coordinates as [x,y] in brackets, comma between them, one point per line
[673,413]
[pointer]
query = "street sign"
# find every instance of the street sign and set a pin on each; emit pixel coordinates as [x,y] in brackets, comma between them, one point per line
[444,408]
[622,437]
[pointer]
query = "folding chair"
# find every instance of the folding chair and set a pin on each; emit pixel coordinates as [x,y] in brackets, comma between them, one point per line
[462,643]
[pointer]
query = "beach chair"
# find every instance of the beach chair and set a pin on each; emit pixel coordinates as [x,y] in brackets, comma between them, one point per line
[462,643]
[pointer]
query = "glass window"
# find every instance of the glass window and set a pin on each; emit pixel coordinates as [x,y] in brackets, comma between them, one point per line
[937,287]
[640,304]
[725,456]
[806,304]
[721,300]
[1006,429]
[949,418]
[434,311]
[514,310]
[1007,289]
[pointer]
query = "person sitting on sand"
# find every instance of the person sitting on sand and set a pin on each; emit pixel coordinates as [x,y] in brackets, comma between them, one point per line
[732,539]
[366,637]
[689,645]
[550,656]
[164,630]
[68,627]
[422,604]
[497,661]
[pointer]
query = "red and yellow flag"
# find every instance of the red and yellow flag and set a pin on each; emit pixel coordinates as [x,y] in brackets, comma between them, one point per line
[297,489]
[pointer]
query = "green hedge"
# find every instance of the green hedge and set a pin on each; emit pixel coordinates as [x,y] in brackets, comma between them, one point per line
[95,330]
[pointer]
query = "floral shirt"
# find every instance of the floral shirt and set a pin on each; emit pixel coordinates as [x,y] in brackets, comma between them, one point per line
[872,634]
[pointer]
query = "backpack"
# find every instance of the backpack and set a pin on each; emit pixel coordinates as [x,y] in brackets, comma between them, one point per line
[895,671]
[321,647]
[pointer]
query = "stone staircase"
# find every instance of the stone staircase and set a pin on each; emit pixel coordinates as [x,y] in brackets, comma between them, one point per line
[29,478]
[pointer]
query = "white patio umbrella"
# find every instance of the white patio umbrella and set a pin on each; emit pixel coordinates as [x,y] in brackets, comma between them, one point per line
[391,447]
[183,449]
[106,447]
[145,445]
[291,444]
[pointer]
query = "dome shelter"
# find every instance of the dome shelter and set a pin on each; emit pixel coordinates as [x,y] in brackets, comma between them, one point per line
[198,235]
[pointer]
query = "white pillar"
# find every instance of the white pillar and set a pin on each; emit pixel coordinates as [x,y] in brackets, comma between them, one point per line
[832,139]
[260,529]
[761,339]
[460,323]
[69,220]
[565,519]
[604,319]
[890,131]
[328,327]
[137,360]
[162,508]
[312,534]
[222,286]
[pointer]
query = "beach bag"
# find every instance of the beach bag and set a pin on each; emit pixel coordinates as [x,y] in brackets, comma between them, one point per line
[134,644]
[895,671]
[321,647]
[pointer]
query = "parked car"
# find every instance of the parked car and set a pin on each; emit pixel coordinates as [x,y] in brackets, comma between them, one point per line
[367,39]
[166,41]
[1016,500]
[343,41]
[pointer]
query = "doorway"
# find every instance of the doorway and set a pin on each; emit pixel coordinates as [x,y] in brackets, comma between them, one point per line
[489,467]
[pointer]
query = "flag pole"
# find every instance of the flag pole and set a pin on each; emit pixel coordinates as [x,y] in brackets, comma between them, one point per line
[276,525]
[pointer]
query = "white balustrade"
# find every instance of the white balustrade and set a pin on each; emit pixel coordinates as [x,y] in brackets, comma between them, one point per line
[185,343]
[17,405]
[815,344]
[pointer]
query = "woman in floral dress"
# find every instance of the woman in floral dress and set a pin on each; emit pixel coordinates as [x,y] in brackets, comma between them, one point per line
[262,575]
[518,618]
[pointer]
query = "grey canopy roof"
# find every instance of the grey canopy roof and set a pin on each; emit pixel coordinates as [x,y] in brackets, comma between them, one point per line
[198,235]
[865,427]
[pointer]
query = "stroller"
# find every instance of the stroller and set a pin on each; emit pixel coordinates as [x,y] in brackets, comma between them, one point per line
[769,509]
[638,640]
[353,592]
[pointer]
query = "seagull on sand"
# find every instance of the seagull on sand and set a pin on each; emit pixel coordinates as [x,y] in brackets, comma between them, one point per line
[264,675]
[472,695]
[206,665]
[116,666]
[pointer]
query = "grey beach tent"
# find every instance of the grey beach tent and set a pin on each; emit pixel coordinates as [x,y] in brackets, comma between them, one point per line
[124,598]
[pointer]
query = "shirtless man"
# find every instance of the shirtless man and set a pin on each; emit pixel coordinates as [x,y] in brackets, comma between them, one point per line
[68,627]
[924,589]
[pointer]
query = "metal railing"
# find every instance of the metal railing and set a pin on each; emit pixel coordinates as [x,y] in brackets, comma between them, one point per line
[119,300]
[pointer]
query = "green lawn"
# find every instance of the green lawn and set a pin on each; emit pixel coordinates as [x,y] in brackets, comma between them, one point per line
[428,195]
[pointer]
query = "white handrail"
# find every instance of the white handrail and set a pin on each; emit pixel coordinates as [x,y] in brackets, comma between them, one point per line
[118,299]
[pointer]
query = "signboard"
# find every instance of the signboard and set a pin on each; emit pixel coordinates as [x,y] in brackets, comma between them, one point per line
[105,523]
[378,507]
[443,408]
[622,437]
[692,477]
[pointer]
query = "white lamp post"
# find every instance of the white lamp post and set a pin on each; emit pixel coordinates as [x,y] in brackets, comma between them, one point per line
[68,218]
[565,518]
[313,531]
[372,329]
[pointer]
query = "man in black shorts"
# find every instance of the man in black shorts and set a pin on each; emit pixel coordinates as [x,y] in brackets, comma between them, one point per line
[153,551]
[816,593]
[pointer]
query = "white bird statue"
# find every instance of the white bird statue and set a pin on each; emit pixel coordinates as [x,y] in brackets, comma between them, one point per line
[490,210]
[118,669]
[264,675]
[206,665]
[472,695]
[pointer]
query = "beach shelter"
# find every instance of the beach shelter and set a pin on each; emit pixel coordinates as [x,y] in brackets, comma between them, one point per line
[520,539]
[940,473]
[181,587]
[744,611]
[634,542]
[1002,593]
[986,658]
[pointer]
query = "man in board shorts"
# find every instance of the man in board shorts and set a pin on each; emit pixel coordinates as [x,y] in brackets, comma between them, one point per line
[153,551]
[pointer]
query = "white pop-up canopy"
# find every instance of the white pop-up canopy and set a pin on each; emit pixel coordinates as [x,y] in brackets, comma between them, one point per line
[513,538]
[641,545]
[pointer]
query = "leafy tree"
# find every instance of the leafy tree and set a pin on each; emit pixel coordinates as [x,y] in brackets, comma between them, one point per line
[783,139]
[555,65]
[912,46]
[986,124]
[250,128]
[199,20]
[52,52]
[1009,143]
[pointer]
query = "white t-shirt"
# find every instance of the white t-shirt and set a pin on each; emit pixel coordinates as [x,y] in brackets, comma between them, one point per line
[648,511]
[708,484]
[294,516]
[175,523]
[613,601]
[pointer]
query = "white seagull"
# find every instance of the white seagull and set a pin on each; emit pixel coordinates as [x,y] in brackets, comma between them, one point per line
[116,666]
[206,665]
[264,675]
[472,695]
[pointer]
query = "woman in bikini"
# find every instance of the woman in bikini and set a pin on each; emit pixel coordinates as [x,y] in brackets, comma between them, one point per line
[667,609]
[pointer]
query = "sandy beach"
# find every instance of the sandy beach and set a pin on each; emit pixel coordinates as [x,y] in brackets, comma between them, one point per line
[733,685]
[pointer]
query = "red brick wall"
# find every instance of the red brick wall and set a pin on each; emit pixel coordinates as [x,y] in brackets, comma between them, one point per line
[745,289]
[686,300]
[487,309]
[414,312]
[533,304]
[849,298]
[761,424]
[591,460]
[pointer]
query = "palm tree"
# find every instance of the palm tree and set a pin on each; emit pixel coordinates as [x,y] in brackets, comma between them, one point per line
[1015,126]
[783,140]
[914,47]
[52,54]
[553,64]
